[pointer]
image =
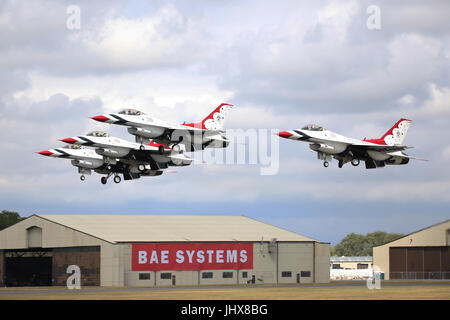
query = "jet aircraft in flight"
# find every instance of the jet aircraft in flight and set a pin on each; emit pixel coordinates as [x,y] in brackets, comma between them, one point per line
[376,153]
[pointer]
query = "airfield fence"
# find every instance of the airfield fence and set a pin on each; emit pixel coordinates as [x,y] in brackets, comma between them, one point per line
[435,275]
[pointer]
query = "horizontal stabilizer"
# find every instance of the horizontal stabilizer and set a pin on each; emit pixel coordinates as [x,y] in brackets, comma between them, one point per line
[402,155]
[216,137]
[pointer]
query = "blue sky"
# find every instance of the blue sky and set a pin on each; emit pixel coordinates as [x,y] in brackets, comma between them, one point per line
[282,64]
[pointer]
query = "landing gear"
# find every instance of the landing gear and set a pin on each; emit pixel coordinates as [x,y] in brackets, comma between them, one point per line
[82,177]
[117,179]
[142,147]
[161,149]
[341,163]
[355,162]
[104,180]
[141,168]
[325,157]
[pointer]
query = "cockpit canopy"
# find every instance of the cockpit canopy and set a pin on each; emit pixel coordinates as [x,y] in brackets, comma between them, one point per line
[131,112]
[73,146]
[313,127]
[98,134]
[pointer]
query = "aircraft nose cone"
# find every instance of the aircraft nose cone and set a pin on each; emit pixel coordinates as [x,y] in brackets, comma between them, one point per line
[46,153]
[285,134]
[69,140]
[100,118]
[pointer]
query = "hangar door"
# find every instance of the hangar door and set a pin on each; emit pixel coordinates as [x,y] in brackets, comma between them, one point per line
[30,267]
[48,266]
[87,258]
[419,263]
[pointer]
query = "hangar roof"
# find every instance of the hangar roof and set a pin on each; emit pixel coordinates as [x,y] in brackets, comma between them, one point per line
[434,235]
[351,259]
[173,228]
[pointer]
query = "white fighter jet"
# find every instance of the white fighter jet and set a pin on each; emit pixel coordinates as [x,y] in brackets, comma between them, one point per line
[84,159]
[387,150]
[87,160]
[195,136]
[111,148]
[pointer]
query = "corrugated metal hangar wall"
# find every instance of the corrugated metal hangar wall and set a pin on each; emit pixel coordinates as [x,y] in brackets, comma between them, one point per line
[123,250]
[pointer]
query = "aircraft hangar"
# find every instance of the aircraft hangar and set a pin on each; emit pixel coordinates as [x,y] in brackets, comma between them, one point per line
[158,250]
[420,255]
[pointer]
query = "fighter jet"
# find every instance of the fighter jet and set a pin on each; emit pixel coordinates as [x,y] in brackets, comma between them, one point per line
[387,150]
[155,155]
[195,136]
[87,160]
[84,159]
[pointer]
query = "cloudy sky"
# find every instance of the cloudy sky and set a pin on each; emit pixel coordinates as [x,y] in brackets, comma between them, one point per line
[283,64]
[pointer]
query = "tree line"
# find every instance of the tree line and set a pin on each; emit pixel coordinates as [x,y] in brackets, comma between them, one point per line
[355,244]
[8,218]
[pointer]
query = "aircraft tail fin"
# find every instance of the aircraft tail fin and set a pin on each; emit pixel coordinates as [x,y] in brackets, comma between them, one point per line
[395,135]
[215,120]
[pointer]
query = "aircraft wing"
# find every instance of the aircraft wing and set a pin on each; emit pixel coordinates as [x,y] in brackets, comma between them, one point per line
[183,128]
[376,147]
[354,144]
[173,127]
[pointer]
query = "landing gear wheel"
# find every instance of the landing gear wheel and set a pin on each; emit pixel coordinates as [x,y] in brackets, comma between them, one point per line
[103,180]
[355,162]
[117,179]
[340,163]
[141,168]
[142,147]
[326,164]
[82,177]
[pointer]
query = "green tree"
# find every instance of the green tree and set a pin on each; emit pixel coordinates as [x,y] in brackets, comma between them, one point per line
[361,245]
[378,238]
[351,245]
[8,218]
[332,251]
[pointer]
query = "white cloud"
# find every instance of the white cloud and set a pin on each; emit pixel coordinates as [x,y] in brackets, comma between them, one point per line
[336,18]
[154,91]
[438,102]
[166,38]
[417,16]
[446,154]
[281,66]
[407,99]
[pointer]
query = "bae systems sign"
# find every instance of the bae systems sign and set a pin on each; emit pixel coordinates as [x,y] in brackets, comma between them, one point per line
[191,256]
